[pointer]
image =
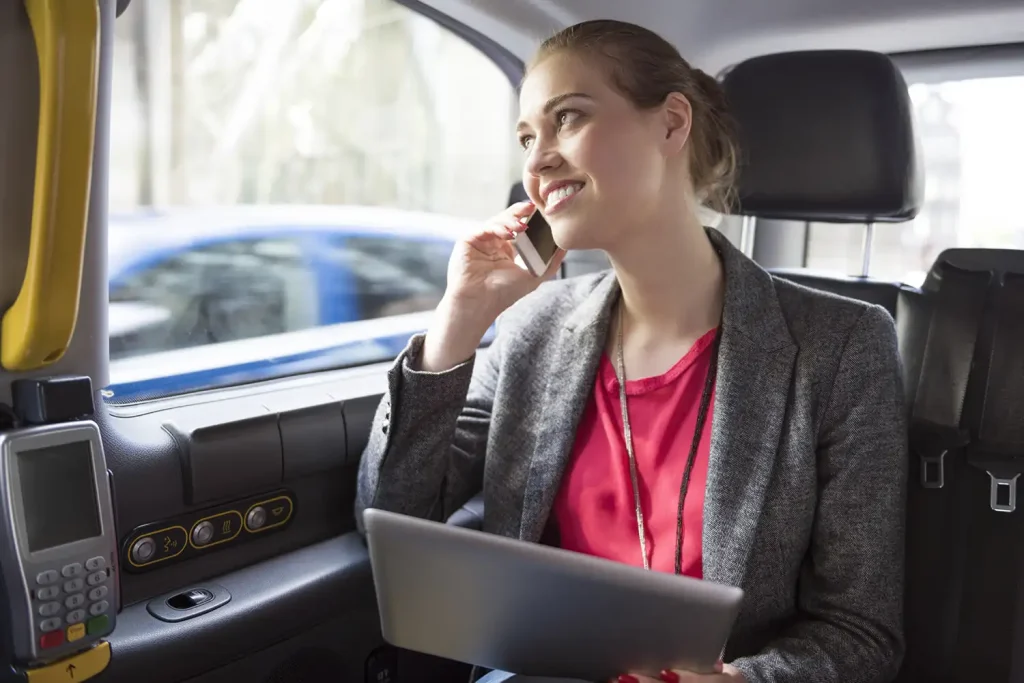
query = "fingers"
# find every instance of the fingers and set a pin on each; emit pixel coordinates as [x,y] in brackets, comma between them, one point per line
[520,209]
[506,225]
[503,230]
[677,676]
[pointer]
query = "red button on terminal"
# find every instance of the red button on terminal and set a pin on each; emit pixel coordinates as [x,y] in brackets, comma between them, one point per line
[51,639]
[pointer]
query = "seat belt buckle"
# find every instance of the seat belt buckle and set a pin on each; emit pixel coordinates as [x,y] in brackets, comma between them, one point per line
[932,443]
[1003,470]
[933,474]
[1003,493]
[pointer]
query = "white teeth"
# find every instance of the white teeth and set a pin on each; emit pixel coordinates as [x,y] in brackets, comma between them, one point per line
[561,193]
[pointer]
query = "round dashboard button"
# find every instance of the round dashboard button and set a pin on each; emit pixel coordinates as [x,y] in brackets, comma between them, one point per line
[203,533]
[143,550]
[256,518]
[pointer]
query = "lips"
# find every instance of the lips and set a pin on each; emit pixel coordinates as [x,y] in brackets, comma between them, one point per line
[560,193]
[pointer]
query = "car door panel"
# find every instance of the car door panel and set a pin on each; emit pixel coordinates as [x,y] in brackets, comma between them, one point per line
[290,587]
[270,601]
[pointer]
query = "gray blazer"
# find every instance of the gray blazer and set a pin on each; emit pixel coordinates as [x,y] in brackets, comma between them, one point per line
[804,507]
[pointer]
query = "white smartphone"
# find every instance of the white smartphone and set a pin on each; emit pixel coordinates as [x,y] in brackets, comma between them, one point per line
[536,245]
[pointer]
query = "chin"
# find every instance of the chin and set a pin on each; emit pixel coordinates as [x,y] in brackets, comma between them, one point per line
[572,233]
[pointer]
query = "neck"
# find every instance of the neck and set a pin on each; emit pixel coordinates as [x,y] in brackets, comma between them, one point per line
[671,278]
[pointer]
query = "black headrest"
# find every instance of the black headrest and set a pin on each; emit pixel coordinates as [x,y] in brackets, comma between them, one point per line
[825,135]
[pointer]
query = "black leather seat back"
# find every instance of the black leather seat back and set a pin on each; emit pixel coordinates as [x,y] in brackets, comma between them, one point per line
[827,136]
[964,610]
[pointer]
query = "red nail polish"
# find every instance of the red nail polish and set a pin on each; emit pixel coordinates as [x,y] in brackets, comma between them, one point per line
[669,676]
[626,678]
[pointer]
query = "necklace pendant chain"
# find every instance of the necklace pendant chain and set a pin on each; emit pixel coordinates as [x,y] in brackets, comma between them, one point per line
[702,413]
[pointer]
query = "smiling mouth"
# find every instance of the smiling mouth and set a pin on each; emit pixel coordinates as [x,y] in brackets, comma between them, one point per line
[560,197]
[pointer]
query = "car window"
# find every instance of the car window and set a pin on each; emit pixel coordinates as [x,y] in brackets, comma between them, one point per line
[972,142]
[360,121]
[226,291]
[372,285]
[423,259]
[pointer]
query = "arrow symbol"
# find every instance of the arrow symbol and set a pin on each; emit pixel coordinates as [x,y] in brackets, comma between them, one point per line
[71,670]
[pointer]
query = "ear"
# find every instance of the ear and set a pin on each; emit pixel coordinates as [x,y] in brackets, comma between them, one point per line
[678,118]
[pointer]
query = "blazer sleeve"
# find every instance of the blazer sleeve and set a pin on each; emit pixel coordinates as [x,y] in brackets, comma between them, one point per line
[425,454]
[849,625]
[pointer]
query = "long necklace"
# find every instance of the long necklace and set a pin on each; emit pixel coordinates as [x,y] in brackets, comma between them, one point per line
[702,414]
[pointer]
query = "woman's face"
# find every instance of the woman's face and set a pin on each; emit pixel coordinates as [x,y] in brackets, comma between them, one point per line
[595,164]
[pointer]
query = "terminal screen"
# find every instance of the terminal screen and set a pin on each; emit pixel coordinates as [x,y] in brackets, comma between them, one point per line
[58,495]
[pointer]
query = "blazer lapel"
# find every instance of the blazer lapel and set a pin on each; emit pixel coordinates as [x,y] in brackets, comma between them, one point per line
[752,388]
[754,380]
[570,379]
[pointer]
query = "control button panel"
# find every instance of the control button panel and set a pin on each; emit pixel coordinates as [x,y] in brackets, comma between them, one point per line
[160,544]
[61,605]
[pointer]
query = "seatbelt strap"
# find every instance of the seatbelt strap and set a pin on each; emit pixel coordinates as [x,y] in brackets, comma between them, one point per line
[936,428]
[991,618]
[935,557]
[998,449]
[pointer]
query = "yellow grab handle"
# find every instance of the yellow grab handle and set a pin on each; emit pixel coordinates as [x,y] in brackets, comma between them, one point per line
[37,329]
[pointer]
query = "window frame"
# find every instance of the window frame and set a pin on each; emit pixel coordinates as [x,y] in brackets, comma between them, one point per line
[509,64]
[512,67]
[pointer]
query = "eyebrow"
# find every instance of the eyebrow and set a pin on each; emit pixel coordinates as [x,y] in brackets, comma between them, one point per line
[554,102]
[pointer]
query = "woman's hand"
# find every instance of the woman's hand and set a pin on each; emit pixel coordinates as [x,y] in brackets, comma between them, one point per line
[483,280]
[724,673]
[482,272]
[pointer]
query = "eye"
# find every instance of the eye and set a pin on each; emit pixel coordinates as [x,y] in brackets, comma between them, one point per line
[563,118]
[567,117]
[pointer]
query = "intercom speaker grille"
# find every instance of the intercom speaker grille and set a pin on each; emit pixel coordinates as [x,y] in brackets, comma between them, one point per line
[310,665]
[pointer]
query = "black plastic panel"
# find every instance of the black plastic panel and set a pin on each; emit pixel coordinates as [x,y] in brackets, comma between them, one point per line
[318,469]
[227,459]
[314,439]
[173,537]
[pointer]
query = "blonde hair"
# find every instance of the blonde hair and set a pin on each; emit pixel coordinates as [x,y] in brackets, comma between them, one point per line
[646,68]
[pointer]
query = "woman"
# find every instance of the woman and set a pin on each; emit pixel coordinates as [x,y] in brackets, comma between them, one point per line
[766,438]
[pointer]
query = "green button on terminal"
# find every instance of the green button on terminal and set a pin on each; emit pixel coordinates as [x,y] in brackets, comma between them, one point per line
[97,624]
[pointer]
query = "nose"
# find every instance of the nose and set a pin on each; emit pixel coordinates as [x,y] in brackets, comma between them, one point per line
[543,157]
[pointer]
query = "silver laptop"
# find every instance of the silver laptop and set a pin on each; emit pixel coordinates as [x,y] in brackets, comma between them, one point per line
[535,610]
